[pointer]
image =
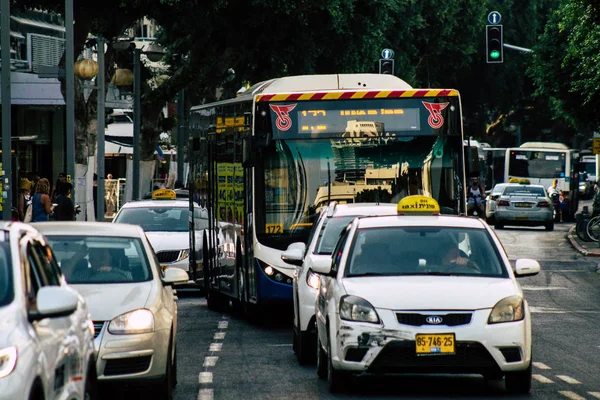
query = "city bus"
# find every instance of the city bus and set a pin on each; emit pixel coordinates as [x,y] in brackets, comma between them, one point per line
[542,163]
[265,161]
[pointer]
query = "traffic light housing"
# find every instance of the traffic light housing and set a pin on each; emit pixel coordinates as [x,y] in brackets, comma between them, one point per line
[494,44]
[386,66]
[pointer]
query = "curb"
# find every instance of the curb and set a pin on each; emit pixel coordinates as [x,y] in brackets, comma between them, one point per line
[578,247]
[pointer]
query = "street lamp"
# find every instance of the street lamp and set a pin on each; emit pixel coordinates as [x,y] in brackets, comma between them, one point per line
[155,53]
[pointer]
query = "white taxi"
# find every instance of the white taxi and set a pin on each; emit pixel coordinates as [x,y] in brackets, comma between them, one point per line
[423,293]
[46,334]
[130,298]
[165,219]
[332,220]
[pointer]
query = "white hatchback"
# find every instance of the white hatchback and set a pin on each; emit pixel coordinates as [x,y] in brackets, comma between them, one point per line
[46,334]
[423,294]
[130,299]
[323,237]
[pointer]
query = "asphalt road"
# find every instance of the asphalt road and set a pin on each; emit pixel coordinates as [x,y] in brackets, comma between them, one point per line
[222,356]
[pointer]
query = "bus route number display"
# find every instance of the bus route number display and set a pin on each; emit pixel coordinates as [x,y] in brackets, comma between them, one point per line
[392,119]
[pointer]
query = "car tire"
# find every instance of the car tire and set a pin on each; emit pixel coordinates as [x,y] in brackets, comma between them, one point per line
[174,369]
[321,360]
[164,390]
[549,226]
[304,347]
[335,378]
[91,382]
[518,382]
[498,225]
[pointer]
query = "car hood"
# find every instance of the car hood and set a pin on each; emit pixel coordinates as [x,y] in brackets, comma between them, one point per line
[161,241]
[431,292]
[107,301]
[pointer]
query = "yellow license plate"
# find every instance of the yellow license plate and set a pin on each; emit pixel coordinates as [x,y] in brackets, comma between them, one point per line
[528,205]
[432,344]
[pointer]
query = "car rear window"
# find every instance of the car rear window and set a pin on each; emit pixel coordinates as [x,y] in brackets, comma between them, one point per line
[523,191]
[96,259]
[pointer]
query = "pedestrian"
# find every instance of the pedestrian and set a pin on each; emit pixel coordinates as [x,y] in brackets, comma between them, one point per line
[64,210]
[40,204]
[24,198]
[62,177]
[35,177]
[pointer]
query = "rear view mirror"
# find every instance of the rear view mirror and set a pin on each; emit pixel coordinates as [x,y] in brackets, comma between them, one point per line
[526,267]
[294,254]
[322,265]
[175,275]
[54,302]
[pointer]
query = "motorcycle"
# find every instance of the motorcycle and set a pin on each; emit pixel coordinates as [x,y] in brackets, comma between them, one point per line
[555,198]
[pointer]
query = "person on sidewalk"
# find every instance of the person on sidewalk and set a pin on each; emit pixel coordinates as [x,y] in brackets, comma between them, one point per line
[41,206]
[64,210]
[596,201]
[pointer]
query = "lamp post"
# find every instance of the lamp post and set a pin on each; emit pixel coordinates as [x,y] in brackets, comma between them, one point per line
[6,117]
[155,54]
[70,95]
[101,125]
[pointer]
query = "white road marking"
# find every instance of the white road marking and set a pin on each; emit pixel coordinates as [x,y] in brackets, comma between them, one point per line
[540,365]
[223,324]
[210,361]
[568,379]
[546,310]
[595,394]
[205,378]
[544,288]
[215,347]
[541,378]
[571,395]
[206,394]
[219,336]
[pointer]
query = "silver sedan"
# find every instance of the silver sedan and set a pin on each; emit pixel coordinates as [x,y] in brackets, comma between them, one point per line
[527,205]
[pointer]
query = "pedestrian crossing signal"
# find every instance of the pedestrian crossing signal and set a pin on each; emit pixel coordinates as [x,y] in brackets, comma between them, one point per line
[494,44]
[386,66]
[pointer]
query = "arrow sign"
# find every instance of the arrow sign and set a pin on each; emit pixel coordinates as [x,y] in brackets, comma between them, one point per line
[494,18]
[387,54]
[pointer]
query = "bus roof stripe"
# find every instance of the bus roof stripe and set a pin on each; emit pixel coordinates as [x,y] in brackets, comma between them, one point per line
[380,94]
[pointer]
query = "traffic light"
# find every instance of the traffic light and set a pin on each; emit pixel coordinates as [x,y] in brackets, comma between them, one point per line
[494,45]
[386,66]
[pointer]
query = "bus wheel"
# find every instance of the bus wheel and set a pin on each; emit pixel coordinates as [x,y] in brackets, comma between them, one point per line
[239,304]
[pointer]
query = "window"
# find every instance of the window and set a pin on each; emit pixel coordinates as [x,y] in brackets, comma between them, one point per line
[156,219]
[332,227]
[339,249]
[46,263]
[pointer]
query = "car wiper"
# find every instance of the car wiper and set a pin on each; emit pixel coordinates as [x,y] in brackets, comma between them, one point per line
[366,274]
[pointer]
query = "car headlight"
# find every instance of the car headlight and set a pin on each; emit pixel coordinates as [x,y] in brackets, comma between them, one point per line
[138,321]
[8,361]
[183,254]
[313,280]
[354,308]
[508,309]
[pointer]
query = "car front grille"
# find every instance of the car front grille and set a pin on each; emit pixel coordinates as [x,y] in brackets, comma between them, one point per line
[168,256]
[98,325]
[453,319]
[401,356]
[126,366]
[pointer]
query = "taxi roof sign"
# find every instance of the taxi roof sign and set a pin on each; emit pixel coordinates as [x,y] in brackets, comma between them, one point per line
[164,194]
[418,205]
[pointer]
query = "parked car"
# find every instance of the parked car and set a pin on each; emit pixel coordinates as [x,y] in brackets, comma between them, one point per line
[332,220]
[524,204]
[423,293]
[107,263]
[46,333]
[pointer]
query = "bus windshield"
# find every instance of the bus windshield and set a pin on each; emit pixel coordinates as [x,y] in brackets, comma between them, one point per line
[352,152]
[537,164]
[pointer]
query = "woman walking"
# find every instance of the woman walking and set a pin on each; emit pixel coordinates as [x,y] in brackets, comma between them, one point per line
[41,206]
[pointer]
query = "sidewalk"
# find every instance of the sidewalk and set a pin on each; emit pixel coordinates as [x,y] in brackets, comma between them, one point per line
[591,249]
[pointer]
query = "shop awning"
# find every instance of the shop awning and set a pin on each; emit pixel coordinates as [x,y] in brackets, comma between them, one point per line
[29,89]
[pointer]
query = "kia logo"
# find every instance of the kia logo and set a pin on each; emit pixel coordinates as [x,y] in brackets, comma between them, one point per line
[434,320]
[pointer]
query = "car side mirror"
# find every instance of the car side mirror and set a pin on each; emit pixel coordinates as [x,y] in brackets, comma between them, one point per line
[322,266]
[54,302]
[175,275]
[526,267]
[294,254]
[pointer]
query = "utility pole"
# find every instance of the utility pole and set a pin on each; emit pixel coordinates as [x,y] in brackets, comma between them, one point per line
[181,135]
[137,120]
[6,113]
[101,122]
[70,96]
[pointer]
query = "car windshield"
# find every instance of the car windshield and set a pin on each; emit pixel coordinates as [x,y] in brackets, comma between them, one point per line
[330,232]
[6,282]
[96,259]
[524,191]
[161,218]
[397,251]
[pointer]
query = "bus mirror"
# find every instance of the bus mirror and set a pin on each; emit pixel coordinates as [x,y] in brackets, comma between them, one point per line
[248,152]
[472,158]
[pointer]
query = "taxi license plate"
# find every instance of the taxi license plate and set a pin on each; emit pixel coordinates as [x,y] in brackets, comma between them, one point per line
[528,205]
[434,344]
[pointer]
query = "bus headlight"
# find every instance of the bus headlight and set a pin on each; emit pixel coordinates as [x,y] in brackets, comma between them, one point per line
[274,274]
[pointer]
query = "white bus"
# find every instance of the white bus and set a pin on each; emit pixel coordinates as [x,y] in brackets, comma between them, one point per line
[276,152]
[541,163]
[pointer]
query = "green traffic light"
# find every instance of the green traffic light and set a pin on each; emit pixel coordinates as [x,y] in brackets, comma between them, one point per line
[494,54]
